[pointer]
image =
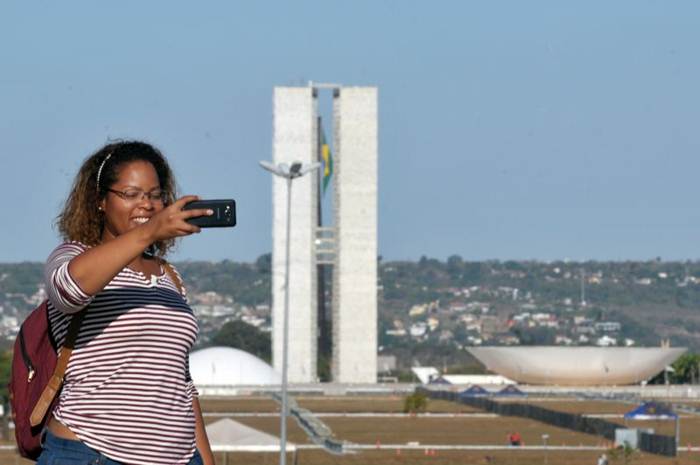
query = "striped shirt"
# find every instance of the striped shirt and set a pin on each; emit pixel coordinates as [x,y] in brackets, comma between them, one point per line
[127,391]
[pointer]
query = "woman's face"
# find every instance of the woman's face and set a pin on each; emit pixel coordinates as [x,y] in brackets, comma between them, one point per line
[130,203]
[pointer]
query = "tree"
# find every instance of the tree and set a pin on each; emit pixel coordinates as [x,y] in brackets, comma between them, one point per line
[264,263]
[472,272]
[324,368]
[415,403]
[686,369]
[5,371]
[624,452]
[241,335]
[454,266]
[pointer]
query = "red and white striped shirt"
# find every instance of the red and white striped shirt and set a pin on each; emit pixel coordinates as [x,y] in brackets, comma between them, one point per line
[127,391]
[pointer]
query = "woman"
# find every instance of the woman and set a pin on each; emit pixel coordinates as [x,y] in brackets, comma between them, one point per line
[127,396]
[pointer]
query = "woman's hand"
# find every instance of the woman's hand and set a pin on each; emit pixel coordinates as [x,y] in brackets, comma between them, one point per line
[93,269]
[172,222]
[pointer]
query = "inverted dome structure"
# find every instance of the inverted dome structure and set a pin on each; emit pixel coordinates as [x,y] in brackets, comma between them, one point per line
[582,366]
[226,366]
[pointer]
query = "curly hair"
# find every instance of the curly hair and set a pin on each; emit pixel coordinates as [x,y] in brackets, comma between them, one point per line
[81,220]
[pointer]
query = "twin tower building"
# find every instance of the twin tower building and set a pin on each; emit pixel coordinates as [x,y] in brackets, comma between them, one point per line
[333,265]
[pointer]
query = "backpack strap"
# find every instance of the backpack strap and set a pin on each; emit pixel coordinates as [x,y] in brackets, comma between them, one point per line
[173,275]
[56,381]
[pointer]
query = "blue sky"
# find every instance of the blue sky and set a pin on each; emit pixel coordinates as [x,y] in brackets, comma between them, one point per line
[508,130]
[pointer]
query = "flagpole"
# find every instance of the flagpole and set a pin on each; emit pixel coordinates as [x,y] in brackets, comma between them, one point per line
[320,267]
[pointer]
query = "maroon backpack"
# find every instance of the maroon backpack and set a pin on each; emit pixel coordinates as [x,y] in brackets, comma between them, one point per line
[37,376]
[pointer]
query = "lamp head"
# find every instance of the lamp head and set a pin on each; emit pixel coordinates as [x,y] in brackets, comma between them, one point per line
[295,169]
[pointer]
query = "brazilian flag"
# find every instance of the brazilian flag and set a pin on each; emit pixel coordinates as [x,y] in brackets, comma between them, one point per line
[327,158]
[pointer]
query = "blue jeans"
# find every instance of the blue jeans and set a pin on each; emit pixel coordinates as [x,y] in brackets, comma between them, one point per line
[59,451]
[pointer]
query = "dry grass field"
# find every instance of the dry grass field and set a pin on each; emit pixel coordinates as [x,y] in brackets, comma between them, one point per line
[522,457]
[418,457]
[383,432]
[459,430]
[328,404]
[442,431]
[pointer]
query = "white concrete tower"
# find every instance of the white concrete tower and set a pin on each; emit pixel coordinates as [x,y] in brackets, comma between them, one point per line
[295,138]
[355,269]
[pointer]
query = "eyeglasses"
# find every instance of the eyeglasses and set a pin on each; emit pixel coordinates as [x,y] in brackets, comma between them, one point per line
[134,195]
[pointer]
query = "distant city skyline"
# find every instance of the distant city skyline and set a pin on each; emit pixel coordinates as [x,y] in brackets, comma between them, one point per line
[550,131]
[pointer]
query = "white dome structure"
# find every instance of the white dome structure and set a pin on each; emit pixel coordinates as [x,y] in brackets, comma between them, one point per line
[577,365]
[227,367]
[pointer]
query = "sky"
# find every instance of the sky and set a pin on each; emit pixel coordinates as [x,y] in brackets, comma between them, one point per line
[508,130]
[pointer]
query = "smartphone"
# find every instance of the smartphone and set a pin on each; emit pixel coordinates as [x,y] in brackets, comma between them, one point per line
[224,213]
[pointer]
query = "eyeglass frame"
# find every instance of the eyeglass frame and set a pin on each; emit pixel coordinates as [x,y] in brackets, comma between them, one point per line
[162,198]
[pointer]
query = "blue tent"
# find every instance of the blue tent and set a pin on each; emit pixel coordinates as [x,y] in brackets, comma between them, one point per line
[474,391]
[655,411]
[439,380]
[651,411]
[510,390]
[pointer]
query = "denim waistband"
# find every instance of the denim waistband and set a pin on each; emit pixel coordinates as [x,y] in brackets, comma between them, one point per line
[51,442]
[71,449]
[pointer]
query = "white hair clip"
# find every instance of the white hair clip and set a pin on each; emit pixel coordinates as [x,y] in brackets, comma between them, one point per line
[99,171]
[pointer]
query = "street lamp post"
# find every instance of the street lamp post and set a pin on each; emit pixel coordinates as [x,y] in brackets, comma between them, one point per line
[289,173]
